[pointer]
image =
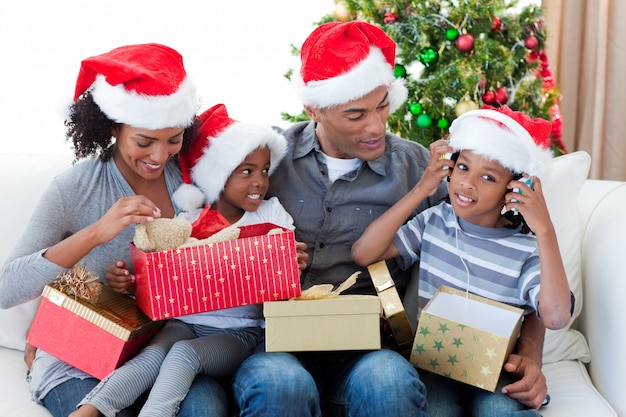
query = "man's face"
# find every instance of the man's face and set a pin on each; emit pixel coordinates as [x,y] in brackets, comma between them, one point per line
[355,129]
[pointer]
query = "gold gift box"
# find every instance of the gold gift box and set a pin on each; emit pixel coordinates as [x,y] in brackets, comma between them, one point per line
[392,306]
[345,322]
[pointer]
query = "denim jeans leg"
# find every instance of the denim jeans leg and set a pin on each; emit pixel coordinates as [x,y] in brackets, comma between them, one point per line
[275,384]
[206,398]
[496,404]
[374,384]
[450,398]
[63,398]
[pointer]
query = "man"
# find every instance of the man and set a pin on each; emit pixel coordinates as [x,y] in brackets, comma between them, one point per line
[341,171]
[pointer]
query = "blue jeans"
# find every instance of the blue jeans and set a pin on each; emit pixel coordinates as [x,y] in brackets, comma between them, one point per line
[63,398]
[450,398]
[206,398]
[363,384]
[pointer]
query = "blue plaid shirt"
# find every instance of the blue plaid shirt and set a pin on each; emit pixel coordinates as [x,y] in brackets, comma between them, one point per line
[330,216]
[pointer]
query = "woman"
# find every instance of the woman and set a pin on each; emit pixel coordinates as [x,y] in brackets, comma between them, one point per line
[134,110]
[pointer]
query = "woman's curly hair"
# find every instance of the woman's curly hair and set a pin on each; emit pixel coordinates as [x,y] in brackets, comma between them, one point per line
[89,129]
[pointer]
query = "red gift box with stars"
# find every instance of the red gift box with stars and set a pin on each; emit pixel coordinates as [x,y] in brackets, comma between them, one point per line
[94,337]
[252,269]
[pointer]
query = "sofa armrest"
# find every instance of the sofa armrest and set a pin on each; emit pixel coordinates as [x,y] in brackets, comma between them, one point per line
[604,285]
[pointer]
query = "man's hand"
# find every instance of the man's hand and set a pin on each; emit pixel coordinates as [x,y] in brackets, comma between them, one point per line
[531,389]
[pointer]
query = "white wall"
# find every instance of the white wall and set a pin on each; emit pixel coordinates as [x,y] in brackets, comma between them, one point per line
[236,51]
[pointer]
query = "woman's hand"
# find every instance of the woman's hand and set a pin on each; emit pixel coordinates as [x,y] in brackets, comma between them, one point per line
[125,211]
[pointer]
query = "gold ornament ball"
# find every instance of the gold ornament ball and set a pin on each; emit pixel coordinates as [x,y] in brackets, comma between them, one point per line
[380,4]
[342,12]
[464,106]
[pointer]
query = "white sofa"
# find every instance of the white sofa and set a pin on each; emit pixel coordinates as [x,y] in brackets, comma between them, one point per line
[591,230]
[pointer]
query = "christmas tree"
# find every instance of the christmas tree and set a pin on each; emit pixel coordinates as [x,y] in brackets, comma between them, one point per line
[459,55]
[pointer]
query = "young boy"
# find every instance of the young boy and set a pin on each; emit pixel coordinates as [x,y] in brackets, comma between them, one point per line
[479,241]
[229,164]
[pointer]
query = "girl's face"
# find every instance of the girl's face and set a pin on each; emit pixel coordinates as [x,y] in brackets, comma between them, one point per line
[141,154]
[246,186]
[477,189]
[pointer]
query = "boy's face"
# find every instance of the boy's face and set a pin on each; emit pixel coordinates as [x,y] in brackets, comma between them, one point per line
[246,187]
[477,189]
[356,129]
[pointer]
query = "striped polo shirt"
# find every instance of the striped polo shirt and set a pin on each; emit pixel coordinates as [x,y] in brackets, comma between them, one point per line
[497,263]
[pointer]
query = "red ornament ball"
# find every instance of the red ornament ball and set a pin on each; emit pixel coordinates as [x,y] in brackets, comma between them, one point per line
[465,43]
[497,24]
[390,17]
[531,42]
[502,96]
[489,97]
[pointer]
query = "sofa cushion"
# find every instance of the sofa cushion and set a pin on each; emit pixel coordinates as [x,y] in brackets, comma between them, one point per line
[15,399]
[35,173]
[572,393]
[561,192]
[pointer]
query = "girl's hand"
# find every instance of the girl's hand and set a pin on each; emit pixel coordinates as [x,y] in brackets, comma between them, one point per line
[119,278]
[125,211]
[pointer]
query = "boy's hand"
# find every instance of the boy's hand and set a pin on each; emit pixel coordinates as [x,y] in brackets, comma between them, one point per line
[530,203]
[439,166]
[531,390]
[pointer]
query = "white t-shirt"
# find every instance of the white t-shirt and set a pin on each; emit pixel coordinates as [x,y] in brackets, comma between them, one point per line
[338,167]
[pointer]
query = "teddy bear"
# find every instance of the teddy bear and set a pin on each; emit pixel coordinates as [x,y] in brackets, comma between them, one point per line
[166,234]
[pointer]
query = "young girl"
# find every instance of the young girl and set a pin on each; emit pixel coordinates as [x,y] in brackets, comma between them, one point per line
[229,165]
[469,243]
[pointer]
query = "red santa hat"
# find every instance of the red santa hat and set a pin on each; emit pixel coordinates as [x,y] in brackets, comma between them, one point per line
[343,61]
[222,144]
[516,141]
[143,85]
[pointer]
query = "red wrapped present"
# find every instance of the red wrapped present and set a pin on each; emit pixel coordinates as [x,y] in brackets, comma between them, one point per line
[255,268]
[94,337]
[208,223]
